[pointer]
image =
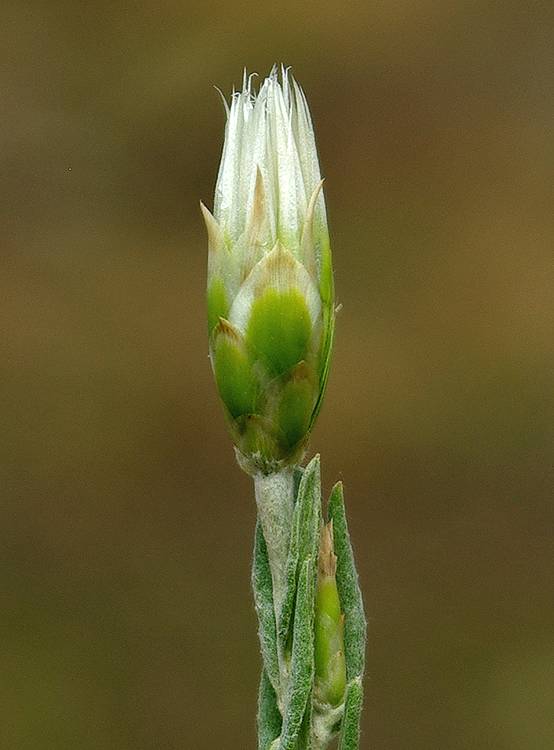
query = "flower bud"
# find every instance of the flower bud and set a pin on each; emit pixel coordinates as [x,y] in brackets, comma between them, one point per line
[330,665]
[270,280]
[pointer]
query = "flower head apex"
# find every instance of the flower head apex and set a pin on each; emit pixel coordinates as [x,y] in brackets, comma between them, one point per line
[269,156]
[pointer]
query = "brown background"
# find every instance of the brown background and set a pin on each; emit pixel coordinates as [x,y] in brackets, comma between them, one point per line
[125,527]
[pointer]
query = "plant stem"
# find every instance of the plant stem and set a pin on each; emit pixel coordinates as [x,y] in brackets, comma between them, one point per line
[275,501]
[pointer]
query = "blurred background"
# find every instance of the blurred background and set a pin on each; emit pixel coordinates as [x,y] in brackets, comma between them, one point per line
[125,526]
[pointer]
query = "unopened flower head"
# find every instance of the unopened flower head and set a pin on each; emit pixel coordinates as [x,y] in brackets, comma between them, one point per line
[270,279]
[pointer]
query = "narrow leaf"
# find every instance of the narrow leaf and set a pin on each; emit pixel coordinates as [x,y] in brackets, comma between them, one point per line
[302,663]
[305,735]
[350,732]
[269,718]
[263,600]
[304,539]
[349,590]
[309,518]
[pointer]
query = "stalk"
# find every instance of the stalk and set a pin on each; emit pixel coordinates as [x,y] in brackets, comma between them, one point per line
[275,503]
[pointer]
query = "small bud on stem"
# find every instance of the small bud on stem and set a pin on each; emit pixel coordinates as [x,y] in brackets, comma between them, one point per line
[330,666]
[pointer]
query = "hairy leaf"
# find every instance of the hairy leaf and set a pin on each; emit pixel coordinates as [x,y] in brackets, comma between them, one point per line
[349,590]
[350,731]
[304,540]
[305,735]
[302,661]
[263,600]
[269,717]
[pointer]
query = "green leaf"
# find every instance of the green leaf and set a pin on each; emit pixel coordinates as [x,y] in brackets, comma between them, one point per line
[355,625]
[302,659]
[263,600]
[304,540]
[305,735]
[350,731]
[269,717]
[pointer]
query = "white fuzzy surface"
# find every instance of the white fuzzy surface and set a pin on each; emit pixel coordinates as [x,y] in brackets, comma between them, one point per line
[275,501]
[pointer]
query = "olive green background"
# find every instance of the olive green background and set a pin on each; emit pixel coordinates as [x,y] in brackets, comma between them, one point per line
[125,526]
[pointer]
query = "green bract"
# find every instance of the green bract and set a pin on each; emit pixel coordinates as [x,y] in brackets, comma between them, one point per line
[270,279]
